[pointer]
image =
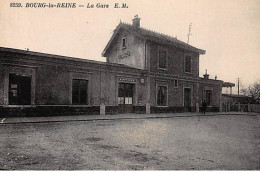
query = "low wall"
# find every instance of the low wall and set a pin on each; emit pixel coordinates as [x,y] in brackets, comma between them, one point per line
[45,111]
[242,108]
[254,108]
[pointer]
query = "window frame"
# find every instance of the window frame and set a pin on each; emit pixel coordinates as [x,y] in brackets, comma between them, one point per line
[126,96]
[123,46]
[166,59]
[176,83]
[185,60]
[83,76]
[79,91]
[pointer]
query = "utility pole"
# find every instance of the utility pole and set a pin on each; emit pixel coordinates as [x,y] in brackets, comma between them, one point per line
[189,33]
[238,86]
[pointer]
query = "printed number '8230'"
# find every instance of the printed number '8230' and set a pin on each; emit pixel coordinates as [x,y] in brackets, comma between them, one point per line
[15,5]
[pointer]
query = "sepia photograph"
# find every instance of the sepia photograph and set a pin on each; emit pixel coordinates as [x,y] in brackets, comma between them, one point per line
[129,85]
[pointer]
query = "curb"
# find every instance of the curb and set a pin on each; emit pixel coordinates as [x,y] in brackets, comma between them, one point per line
[121,118]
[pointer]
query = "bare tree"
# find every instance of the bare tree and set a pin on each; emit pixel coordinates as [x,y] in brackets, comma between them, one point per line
[252,90]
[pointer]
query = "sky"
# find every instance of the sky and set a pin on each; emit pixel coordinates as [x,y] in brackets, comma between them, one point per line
[229,31]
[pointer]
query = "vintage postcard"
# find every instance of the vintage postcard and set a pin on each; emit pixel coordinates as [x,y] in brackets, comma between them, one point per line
[129,85]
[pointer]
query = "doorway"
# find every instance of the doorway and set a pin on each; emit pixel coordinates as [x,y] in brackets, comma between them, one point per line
[19,90]
[208,97]
[125,98]
[187,99]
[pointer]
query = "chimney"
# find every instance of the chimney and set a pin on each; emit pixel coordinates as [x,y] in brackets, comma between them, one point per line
[136,21]
[206,76]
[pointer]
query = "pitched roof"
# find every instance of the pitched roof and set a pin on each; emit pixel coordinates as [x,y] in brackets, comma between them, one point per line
[152,36]
[60,57]
[228,84]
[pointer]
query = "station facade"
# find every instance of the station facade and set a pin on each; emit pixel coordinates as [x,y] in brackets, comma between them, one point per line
[144,72]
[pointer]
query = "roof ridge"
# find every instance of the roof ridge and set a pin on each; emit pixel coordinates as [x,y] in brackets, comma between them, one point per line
[157,32]
[166,37]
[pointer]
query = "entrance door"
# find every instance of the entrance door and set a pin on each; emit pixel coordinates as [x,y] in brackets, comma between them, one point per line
[125,97]
[208,97]
[19,90]
[187,99]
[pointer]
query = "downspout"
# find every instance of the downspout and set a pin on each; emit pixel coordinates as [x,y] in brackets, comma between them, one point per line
[197,86]
[100,94]
[101,99]
[145,56]
[148,91]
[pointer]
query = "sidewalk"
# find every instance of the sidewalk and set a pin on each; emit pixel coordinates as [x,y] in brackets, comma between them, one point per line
[13,120]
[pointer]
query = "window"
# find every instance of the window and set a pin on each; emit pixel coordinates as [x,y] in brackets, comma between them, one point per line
[208,97]
[125,93]
[188,64]
[175,83]
[162,59]
[161,96]
[123,43]
[79,91]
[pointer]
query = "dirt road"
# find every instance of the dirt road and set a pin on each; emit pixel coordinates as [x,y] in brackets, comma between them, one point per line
[186,143]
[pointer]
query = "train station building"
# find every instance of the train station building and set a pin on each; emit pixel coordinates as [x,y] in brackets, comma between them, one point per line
[144,72]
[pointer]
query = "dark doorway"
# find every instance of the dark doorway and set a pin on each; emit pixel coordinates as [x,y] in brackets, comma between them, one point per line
[125,97]
[19,90]
[79,91]
[187,99]
[208,97]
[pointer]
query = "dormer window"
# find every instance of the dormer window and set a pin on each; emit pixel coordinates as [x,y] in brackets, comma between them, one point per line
[123,43]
